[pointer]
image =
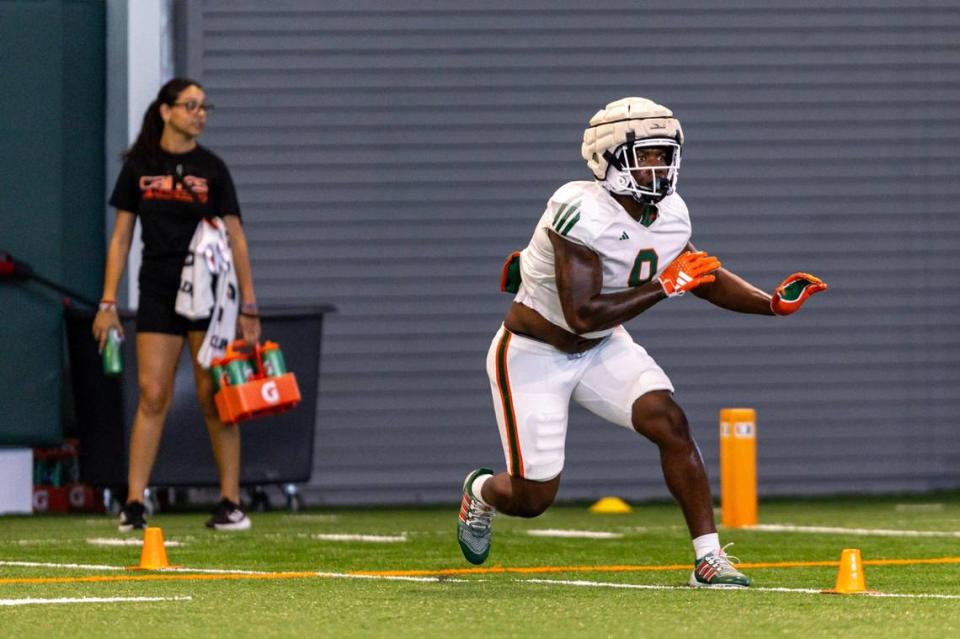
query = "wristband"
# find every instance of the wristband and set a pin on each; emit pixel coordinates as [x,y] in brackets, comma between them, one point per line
[107,305]
[246,314]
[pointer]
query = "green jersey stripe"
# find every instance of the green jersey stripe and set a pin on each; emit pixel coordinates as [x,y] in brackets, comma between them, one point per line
[571,224]
[562,221]
[566,210]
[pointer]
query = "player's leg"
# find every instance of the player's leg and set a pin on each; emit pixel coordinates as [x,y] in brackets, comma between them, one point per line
[157,356]
[627,387]
[657,417]
[517,496]
[225,442]
[531,384]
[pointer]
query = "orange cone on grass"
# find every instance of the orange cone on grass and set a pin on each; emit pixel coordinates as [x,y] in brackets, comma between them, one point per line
[154,553]
[610,506]
[850,577]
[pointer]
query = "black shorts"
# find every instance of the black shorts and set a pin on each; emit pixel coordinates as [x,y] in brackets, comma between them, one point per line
[156,314]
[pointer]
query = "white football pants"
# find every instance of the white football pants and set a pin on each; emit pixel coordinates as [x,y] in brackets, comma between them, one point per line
[532,383]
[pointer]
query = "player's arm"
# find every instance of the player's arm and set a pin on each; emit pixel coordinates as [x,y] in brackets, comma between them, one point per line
[728,290]
[579,282]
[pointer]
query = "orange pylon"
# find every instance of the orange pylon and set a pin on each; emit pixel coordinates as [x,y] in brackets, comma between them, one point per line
[154,553]
[738,467]
[850,577]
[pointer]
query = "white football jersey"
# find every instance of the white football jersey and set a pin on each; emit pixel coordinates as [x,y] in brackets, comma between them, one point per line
[631,254]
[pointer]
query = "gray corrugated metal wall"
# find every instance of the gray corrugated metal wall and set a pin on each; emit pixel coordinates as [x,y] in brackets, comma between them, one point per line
[389,154]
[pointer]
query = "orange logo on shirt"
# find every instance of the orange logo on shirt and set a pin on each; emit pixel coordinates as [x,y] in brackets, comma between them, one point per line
[163,187]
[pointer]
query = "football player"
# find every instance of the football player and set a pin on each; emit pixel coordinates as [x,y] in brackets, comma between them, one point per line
[603,252]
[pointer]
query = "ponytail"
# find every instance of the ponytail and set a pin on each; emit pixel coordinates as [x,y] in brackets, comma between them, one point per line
[147,144]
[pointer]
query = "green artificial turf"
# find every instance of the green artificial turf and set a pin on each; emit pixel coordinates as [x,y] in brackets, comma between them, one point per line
[491,604]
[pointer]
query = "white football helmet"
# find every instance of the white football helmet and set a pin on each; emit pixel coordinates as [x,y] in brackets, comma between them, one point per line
[615,134]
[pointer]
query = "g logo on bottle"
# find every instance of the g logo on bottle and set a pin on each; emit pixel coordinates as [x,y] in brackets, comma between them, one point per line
[270,393]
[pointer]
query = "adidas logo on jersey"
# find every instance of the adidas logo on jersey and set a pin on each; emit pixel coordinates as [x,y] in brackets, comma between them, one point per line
[624,236]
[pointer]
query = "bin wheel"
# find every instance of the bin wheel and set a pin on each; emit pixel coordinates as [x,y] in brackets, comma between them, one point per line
[111,504]
[150,502]
[294,500]
[259,500]
[294,503]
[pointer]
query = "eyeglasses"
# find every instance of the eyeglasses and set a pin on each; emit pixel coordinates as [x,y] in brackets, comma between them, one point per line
[192,106]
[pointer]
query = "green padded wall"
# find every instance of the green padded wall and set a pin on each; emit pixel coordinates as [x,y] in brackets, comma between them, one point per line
[51,196]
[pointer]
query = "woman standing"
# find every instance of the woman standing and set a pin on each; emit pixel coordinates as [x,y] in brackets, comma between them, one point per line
[172,183]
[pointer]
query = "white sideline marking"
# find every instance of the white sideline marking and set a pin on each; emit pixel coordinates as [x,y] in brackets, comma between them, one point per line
[227,571]
[38,564]
[76,600]
[919,508]
[381,539]
[602,584]
[311,517]
[877,532]
[579,534]
[438,579]
[803,591]
[109,541]
[217,571]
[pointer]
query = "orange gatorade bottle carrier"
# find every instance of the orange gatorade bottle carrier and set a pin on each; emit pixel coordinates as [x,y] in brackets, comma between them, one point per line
[245,388]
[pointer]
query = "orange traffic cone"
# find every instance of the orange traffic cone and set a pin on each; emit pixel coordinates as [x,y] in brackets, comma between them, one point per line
[154,554]
[850,577]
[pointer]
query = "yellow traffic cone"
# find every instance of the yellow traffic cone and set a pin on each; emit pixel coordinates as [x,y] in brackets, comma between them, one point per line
[610,506]
[850,577]
[154,553]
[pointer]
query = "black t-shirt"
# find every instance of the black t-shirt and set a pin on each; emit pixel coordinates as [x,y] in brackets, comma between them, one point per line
[171,194]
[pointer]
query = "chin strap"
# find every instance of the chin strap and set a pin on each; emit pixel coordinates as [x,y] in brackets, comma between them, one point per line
[617,182]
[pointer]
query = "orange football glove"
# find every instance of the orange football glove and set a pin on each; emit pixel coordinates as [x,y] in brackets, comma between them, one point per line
[688,271]
[794,291]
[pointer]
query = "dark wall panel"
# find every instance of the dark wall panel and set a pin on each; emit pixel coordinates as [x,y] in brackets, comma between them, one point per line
[389,154]
[51,196]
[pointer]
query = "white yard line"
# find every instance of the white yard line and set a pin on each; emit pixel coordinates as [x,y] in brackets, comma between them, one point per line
[425,579]
[877,532]
[112,541]
[919,508]
[577,534]
[803,591]
[88,600]
[311,517]
[377,539]
[217,571]
[438,579]
[38,564]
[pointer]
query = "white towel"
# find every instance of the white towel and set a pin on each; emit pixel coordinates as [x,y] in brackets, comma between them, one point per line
[210,255]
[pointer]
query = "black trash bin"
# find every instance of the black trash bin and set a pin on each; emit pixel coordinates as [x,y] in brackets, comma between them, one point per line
[275,450]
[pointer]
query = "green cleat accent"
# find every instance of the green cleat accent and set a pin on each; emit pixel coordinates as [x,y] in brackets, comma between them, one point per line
[473,525]
[715,570]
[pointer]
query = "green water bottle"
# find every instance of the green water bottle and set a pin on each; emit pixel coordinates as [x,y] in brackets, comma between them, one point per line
[112,353]
[239,371]
[273,364]
[217,374]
